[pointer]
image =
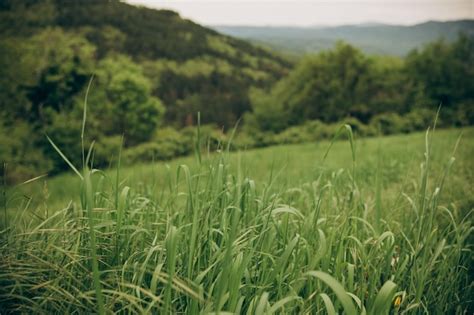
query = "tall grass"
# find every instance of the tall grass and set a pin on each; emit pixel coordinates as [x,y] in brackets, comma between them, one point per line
[211,240]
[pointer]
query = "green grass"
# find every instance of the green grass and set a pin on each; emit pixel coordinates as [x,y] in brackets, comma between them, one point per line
[274,230]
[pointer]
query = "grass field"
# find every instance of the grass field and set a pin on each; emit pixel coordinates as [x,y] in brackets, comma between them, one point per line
[384,226]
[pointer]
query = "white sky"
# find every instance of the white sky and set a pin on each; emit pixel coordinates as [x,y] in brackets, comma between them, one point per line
[315,12]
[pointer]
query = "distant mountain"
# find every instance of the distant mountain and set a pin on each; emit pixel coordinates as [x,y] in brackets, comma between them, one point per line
[373,38]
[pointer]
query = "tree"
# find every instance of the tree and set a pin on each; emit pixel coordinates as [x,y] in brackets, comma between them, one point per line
[445,71]
[63,63]
[122,101]
[323,86]
[15,72]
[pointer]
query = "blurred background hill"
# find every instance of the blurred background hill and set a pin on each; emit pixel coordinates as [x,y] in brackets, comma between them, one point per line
[372,38]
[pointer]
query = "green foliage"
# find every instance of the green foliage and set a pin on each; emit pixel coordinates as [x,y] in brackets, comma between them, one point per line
[63,63]
[418,119]
[146,152]
[243,141]
[267,113]
[166,143]
[445,71]
[65,130]
[50,49]
[19,153]
[106,151]
[34,14]
[206,66]
[296,134]
[129,106]
[319,130]
[322,87]
[180,143]
[152,70]
[465,113]
[107,39]
[387,123]
[337,83]
[15,72]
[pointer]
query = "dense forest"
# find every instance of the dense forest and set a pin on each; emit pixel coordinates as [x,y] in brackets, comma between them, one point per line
[147,73]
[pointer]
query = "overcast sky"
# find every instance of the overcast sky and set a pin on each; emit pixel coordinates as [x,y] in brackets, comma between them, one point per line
[315,12]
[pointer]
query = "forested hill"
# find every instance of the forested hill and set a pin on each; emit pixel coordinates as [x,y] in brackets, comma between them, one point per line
[189,67]
[155,34]
[144,32]
[371,38]
[154,71]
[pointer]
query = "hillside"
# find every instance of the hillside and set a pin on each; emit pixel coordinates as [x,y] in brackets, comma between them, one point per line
[372,38]
[189,65]
[296,164]
[151,70]
[146,74]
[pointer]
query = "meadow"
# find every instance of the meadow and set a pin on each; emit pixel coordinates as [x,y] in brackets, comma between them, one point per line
[360,226]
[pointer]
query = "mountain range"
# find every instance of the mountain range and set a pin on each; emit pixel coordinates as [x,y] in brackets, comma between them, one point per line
[372,38]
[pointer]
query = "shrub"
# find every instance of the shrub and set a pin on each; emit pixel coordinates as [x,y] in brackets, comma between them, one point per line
[145,152]
[18,152]
[243,140]
[465,114]
[318,130]
[174,142]
[106,151]
[167,143]
[360,128]
[296,134]
[211,137]
[418,119]
[263,139]
[388,123]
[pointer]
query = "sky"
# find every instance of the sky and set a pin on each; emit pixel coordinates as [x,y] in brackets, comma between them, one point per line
[315,12]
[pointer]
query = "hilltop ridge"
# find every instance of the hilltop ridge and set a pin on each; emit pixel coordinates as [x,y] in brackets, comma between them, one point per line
[373,38]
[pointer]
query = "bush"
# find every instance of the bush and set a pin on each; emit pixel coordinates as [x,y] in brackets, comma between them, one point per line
[211,137]
[296,134]
[243,140]
[418,119]
[465,114]
[18,152]
[263,139]
[360,128]
[145,152]
[167,143]
[318,130]
[107,151]
[174,142]
[388,123]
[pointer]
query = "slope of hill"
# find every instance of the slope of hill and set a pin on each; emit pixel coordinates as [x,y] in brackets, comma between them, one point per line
[372,38]
[151,69]
[148,33]
[189,65]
